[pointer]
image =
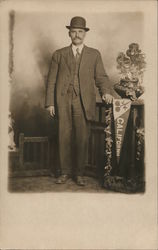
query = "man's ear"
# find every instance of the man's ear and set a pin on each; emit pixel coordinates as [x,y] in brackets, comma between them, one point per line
[69,33]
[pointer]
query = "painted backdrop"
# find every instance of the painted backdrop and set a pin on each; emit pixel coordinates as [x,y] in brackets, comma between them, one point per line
[35,36]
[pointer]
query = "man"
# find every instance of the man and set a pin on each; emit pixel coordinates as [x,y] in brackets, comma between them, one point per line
[73,74]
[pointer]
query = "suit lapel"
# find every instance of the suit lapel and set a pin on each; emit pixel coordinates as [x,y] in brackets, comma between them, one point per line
[68,58]
[84,59]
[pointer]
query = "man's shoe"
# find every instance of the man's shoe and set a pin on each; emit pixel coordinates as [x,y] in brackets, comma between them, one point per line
[80,181]
[62,179]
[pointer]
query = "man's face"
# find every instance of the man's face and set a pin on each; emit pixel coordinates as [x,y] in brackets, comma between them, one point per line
[77,35]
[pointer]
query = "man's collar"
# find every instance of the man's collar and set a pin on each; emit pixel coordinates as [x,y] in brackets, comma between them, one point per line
[74,47]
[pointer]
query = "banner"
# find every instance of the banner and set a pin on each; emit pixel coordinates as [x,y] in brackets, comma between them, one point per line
[121,109]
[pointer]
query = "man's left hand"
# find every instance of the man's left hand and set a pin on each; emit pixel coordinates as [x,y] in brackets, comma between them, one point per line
[107,98]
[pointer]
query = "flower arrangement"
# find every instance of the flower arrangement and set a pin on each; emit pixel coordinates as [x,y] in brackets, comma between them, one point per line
[131,66]
[108,142]
[139,143]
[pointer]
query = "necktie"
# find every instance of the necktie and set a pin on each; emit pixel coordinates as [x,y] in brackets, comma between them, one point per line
[77,54]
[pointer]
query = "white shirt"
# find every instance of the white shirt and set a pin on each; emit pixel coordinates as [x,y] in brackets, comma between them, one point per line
[74,47]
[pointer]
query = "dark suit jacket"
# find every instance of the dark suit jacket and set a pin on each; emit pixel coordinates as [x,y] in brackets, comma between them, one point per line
[91,73]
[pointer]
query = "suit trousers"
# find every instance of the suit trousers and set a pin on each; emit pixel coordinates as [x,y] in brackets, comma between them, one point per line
[73,134]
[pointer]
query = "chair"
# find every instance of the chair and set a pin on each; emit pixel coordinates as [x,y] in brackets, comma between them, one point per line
[33,156]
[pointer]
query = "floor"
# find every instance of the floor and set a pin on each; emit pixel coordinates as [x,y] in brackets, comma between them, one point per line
[42,184]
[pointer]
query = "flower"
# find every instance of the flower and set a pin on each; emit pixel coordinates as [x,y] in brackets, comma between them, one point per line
[132,64]
[133,50]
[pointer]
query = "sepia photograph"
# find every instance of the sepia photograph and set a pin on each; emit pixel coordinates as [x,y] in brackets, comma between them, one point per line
[76,104]
[78,135]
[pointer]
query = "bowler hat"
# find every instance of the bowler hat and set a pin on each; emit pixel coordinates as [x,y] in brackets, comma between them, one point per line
[78,22]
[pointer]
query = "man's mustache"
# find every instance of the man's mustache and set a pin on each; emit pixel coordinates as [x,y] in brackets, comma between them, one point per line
[77,38]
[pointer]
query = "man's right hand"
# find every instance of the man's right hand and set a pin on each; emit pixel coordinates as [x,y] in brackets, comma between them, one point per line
[51,110]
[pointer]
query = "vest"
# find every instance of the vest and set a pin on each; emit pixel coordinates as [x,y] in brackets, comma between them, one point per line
[75,85]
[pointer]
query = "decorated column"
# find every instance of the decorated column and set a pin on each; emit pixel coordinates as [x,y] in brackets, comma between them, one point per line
[131,66]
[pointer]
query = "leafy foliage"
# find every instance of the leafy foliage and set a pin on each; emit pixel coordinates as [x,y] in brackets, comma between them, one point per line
[132,64]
